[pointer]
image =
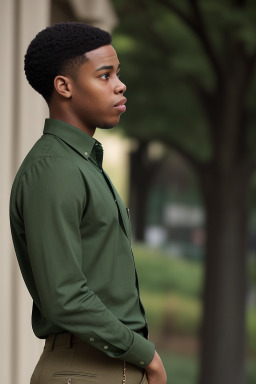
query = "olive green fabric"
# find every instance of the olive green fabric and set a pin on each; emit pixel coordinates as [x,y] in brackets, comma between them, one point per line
[71,234]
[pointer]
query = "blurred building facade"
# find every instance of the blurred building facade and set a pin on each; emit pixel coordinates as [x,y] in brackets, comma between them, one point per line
[23,113]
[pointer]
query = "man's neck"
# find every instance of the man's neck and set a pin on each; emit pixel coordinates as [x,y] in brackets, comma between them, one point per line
[72,121]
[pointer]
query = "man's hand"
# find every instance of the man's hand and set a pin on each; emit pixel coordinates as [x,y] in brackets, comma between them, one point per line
[155,371]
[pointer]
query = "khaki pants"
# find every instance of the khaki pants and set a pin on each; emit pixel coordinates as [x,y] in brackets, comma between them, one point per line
[69,360]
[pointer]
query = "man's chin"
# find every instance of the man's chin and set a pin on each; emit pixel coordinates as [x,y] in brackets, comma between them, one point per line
[107,126]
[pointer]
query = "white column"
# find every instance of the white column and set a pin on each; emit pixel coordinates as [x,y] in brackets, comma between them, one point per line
[22,114]
[99,12]
[6,94]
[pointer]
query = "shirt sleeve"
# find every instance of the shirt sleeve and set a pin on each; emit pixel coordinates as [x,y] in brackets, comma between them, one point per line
[52,200]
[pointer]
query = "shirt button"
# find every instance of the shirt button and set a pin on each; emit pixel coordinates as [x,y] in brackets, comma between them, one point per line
[142,363]
[91,339]
[86,154]
[105,347]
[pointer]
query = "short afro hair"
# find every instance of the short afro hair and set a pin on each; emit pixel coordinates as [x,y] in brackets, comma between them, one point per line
[60,50]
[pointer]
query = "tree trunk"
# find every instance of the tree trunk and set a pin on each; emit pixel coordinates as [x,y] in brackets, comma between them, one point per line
[223,329]
[139,187]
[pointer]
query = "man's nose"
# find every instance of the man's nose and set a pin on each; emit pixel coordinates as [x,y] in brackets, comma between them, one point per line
[120,87]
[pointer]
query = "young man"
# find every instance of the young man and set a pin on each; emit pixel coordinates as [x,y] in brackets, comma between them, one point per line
[70,229]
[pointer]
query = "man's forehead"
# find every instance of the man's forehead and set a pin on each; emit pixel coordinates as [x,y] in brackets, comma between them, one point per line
[102,54]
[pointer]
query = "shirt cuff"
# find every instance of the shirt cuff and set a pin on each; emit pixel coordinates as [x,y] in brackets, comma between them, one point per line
[140,353]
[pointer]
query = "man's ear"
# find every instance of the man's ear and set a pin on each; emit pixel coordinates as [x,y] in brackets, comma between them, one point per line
[63,86]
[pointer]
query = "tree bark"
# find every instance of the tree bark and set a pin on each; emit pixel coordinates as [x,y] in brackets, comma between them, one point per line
[140,180]
[223,326]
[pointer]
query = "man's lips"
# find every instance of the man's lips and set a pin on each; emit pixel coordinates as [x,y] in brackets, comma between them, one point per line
[120,106]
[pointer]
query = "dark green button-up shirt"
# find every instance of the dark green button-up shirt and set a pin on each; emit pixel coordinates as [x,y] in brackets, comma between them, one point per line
[71,234]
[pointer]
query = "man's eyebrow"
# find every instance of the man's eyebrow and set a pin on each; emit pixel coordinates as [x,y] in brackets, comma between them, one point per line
[107,67]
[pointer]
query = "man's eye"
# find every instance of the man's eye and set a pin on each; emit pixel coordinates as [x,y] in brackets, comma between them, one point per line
[104,76]
[118,74]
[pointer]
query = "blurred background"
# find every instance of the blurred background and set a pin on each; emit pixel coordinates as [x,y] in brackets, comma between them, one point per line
[184,161]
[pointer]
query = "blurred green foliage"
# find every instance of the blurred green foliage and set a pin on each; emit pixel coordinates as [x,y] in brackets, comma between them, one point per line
[180,314]
[173,274]
[160,104]
[164,65]
[251,330]
[182,369]
[171,293]
[251,371]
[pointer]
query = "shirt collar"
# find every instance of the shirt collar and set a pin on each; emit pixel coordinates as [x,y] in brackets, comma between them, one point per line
[77,139]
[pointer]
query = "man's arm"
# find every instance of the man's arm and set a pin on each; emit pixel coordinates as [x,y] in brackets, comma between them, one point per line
[52,200]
